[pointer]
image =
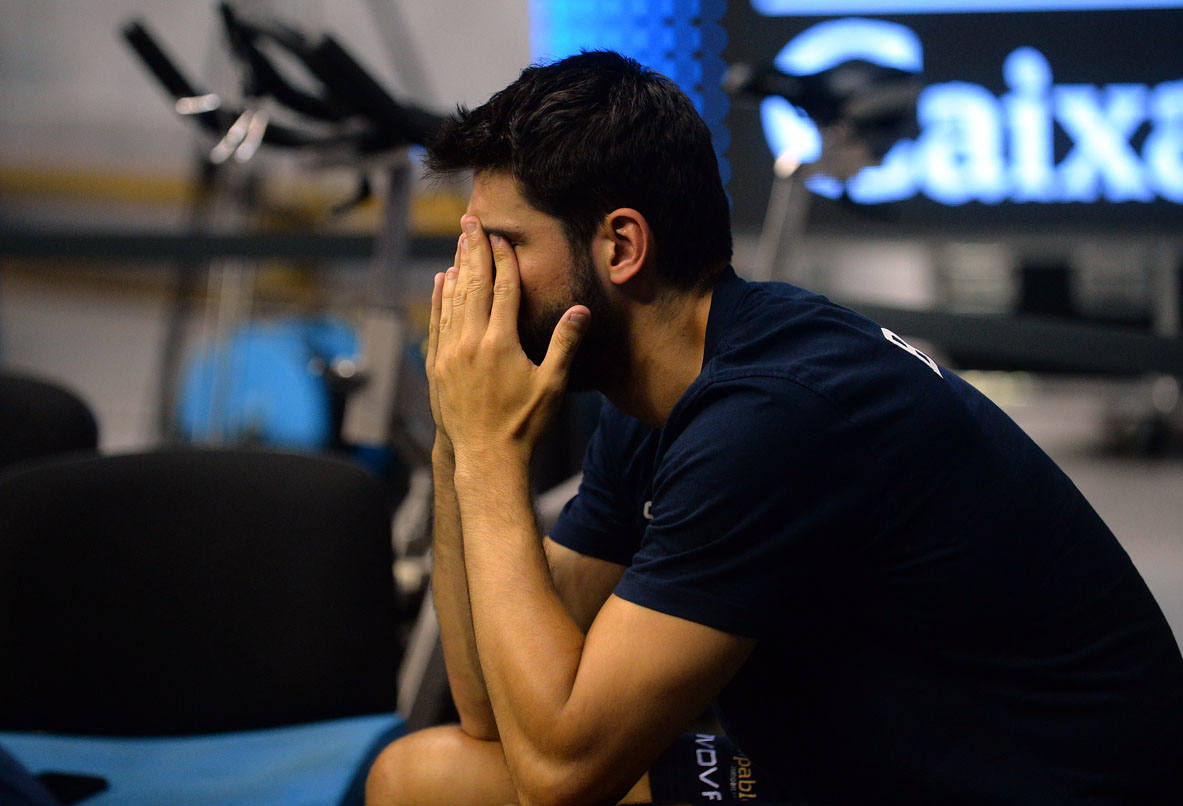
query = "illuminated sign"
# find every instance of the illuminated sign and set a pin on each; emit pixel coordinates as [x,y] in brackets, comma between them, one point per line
[974,146]
[1079,112]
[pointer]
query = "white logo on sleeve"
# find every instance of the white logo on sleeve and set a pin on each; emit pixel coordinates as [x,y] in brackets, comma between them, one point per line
[903,345]
[647,511]
[708,761]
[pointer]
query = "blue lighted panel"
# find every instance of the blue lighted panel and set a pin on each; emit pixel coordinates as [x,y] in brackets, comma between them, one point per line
[681,39]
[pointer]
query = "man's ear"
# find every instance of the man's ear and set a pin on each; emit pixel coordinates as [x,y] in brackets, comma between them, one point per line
[626,244]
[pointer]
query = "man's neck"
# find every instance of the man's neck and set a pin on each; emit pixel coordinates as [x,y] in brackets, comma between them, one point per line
[667,342]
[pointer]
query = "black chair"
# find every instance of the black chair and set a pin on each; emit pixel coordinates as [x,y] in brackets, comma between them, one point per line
[41,418]
[189,591]
[197,626]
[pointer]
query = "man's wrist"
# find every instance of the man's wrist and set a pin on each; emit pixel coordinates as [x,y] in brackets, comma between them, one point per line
[490,469]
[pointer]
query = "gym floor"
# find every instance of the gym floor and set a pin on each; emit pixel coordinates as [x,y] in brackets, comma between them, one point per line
[101,334]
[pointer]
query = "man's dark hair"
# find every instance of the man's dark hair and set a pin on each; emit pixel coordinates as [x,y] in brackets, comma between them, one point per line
[598,131]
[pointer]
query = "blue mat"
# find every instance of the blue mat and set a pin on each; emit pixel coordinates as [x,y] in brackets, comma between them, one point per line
[304,765]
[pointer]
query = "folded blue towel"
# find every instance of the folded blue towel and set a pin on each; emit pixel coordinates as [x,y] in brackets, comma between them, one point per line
[303,765]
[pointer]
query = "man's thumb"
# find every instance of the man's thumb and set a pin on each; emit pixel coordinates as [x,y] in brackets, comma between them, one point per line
[565,340]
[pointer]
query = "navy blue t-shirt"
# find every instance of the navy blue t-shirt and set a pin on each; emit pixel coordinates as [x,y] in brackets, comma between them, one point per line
[941,615]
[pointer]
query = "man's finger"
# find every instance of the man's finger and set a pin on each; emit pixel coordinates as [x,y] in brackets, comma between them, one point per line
[433,329]
[475,283]
[456,257]
[565,341]
[447,300]
[507,288]
[445,309]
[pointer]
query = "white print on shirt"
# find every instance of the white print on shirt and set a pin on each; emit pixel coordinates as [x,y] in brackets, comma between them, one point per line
[898,342]
[647,511]
[708,760]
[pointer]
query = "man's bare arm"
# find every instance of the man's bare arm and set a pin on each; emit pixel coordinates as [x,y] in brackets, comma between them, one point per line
[449,584]
[449,587]
[580,718]
[583,583]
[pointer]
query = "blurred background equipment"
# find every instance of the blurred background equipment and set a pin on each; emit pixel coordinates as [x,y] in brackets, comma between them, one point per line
[862,109]
[286,385]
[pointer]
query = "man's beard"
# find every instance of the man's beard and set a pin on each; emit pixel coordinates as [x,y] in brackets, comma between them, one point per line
[601,351]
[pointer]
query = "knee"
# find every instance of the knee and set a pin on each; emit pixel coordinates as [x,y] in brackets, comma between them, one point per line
[422,768]
[389,776]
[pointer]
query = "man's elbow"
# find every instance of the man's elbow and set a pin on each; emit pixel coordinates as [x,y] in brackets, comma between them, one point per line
[476,720]
[553,784]
[557,793]
[483,729]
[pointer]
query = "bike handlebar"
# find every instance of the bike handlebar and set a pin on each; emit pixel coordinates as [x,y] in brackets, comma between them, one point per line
[372,119]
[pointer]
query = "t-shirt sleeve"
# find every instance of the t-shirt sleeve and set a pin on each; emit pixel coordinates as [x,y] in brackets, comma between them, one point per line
[602,519]
[750,500]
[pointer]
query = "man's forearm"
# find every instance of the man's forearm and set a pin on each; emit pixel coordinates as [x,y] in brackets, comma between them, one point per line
[530,646]
[450,595]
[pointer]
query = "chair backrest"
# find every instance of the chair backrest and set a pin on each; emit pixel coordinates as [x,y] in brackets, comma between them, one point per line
[189,591]
[39,418]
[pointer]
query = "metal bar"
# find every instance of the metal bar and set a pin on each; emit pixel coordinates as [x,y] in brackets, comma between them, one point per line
[141,247]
